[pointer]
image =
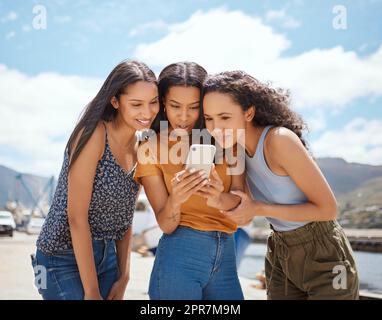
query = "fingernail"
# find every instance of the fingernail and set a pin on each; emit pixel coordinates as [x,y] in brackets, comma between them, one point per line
[192,170]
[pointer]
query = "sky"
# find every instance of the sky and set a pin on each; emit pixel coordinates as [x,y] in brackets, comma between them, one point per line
[55,54]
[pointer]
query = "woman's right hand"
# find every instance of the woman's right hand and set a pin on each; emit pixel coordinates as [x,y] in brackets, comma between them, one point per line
[186,183]
[93,296]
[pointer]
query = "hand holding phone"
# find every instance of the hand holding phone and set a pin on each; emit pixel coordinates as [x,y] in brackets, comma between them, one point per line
[185,183]
[213,190]
[201,157]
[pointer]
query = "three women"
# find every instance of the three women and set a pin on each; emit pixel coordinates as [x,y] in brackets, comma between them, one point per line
[85,242]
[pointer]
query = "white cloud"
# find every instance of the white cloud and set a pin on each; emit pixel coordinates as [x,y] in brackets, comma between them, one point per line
[38,114]
[359,141]
[281,17]
[224,40]
[317,122]
[219,40]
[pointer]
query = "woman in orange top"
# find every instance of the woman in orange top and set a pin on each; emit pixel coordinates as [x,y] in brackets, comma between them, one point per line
[195,258]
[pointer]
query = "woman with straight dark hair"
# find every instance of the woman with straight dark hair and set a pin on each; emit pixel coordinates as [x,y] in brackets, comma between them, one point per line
[84,245]
[195,258]
[308,256]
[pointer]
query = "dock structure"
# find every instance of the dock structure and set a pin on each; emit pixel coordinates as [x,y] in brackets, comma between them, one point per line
[17,282]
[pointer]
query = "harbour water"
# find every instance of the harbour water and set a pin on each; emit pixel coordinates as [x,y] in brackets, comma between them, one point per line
[369,266]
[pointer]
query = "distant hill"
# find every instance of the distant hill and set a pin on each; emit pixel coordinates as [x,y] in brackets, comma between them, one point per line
[344,177]
[366,195]
[348,181]
[12,189]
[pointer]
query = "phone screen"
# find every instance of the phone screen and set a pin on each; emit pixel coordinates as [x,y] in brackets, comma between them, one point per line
[201,157]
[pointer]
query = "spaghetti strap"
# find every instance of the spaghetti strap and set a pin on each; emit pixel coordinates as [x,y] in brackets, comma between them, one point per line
[104,124]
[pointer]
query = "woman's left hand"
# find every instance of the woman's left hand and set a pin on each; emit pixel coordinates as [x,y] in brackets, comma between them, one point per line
[243,214]
[118,289]
[212,191]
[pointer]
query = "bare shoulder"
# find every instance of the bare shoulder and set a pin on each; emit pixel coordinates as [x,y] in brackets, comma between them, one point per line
[281,139]
[96,143]
[99,133]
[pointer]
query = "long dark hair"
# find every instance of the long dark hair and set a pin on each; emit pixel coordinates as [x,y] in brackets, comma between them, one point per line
[271,105]
[186,74]
[100,108]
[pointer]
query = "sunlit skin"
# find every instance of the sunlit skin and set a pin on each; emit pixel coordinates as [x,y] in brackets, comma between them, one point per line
[137,108]
[224,118]
[285,156]
[182,108]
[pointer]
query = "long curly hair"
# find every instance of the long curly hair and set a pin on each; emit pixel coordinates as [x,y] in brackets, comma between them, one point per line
[271,105]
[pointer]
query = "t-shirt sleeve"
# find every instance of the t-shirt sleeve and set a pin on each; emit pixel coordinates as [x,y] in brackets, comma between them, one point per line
[147,166]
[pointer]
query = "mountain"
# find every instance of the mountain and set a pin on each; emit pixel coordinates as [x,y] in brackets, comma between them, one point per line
[344,177]
[369,194]
[348,181]
[13,188]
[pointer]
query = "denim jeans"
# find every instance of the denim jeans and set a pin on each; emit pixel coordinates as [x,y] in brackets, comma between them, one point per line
[195,265]
[242,241]
[57,276]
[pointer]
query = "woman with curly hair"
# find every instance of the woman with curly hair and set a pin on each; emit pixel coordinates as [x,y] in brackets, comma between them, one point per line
[308,255]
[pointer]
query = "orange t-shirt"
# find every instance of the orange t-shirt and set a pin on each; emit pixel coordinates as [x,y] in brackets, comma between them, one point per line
[194,212]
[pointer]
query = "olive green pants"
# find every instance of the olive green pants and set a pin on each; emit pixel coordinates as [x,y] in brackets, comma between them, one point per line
[312,262]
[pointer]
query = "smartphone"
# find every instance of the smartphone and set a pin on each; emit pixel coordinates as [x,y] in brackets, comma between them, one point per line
[201,157]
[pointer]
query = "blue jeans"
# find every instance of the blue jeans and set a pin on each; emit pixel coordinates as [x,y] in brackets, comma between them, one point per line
[195,265]
[62,276]
[242,241]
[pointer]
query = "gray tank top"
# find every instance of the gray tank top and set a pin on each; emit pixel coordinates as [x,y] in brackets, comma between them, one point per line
[266,186]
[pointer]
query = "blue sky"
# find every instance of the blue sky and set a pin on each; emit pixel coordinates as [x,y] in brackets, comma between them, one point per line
[47,76]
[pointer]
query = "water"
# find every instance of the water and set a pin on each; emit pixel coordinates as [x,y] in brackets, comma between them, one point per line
[368,263]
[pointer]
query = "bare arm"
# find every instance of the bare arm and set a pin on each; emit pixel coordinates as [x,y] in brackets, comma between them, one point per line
[80,185]
[167,206]
[229,200]
[123,247]
[123,253]
[294,160]
[215,195]
[292,157]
